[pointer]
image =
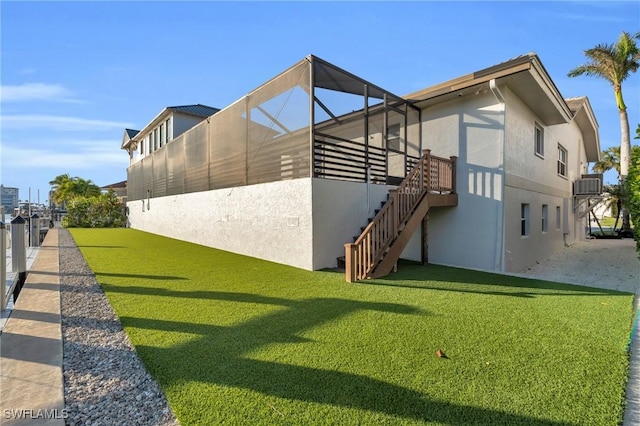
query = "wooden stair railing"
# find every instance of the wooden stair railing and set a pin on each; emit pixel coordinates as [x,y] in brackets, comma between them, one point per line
[430,174]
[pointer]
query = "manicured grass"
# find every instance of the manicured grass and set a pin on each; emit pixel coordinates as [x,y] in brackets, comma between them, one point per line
[236,340]
[609,222]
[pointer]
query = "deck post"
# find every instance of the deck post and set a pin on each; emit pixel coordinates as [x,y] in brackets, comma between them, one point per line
[34,231]
[427,171]
[349,262]
[18,252]
[454,161]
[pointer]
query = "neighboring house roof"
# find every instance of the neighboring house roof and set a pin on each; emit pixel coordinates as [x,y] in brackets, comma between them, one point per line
[126,138]
[524,75]
[116,185]
[585,119]
[130,133]
[197,110]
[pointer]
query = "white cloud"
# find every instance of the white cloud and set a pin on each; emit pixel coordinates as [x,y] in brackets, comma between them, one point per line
[57,122]
[90,155]
[36,92]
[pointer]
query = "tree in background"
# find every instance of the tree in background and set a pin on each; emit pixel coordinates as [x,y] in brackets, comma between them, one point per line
[101,211]
[66,188]
[609,160]
[614,63]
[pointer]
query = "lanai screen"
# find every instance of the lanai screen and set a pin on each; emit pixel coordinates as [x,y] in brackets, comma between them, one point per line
[352,130]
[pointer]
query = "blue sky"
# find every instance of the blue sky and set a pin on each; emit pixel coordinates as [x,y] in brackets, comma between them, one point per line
[74,75]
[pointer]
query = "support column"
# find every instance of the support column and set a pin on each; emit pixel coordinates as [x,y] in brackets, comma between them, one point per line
[425,240]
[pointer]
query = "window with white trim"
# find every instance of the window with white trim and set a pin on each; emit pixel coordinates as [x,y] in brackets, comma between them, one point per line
[538,136]
[524,219]
[545,217]
[562,161]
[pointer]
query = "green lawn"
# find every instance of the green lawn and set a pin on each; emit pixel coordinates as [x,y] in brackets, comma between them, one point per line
[236,340]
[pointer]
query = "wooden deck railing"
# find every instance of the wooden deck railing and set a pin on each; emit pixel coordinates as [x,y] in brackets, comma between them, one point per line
[431,174]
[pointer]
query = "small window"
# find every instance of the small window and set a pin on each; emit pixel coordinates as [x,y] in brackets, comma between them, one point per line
[562,161]
[545,217]
[167,133]
[539,140]
[524,219]
[162,140]
[393,137]
[558,218]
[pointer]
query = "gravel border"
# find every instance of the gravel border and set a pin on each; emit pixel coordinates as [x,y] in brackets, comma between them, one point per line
[105,383]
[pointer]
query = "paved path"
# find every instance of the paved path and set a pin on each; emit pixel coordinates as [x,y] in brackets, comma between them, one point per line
[32,385]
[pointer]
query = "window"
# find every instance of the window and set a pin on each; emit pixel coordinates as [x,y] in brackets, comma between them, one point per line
[155,140]
[166,133]
[393,137]
[558,218]
[162,140]
[562,161]
[545,217]
[539,140]
[524,219]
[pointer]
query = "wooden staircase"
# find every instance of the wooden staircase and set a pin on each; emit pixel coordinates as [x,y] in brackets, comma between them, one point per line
[376,251]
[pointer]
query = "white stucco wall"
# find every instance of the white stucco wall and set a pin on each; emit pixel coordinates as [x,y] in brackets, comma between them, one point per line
[533,180]
[270,221]
[303,222]
[469,235]
[340,209]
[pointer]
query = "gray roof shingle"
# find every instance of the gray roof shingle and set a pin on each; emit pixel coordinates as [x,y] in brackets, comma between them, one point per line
[197,110]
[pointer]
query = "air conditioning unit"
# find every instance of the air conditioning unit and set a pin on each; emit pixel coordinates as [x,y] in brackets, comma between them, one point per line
[589,186]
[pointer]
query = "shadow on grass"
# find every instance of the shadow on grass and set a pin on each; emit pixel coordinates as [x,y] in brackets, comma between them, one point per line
[221,356]
[445,278]
[145,277]
[81,246]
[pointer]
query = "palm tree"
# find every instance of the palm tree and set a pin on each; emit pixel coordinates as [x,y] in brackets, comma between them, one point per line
[616,198]
[609,160]
[614,63]
[60,186]
[65,188]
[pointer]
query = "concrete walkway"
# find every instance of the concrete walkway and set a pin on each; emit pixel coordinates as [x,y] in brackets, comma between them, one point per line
[31,380]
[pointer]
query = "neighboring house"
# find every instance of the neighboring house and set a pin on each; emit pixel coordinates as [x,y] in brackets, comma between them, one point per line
[169,124]
[120,190]
[292,170]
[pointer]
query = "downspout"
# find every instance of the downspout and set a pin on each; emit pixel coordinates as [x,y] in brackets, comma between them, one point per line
[500,220]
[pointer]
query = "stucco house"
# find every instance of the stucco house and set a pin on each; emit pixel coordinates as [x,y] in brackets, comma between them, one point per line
[318,166]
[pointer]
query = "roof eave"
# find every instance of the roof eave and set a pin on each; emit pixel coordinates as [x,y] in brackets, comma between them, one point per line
[586,121]
[525,76]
